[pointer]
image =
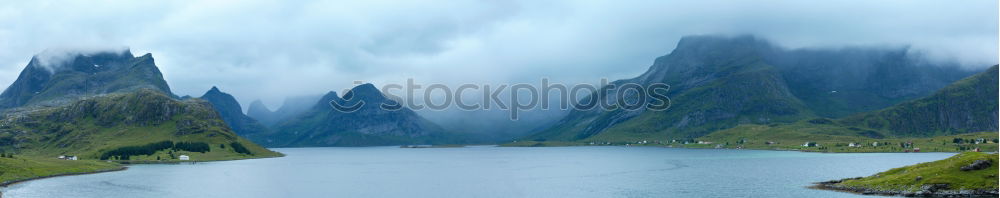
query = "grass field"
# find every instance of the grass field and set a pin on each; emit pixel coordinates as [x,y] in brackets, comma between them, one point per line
[23,168]
[939,177]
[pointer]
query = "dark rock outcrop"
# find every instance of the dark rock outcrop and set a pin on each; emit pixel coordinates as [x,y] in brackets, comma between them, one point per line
[977,165]
[231,112]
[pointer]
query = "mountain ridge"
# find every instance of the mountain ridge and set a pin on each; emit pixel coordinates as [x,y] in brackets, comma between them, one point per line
[721,82]
[232,113]
[83,75]
[368,125]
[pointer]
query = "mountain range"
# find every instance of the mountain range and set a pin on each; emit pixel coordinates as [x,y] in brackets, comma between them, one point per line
[966,109]
[95,103]
[232,113]
[720,82]
[112,106]
[291,107]
[369,125]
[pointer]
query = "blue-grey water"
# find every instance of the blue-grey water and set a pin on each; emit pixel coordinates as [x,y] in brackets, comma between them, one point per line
[485,172]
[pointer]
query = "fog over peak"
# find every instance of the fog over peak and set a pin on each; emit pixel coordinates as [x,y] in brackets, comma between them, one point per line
[271,49]
[52,58]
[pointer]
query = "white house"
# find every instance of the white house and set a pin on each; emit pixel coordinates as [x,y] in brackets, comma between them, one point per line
[71,158]
[185,157]
[852,144]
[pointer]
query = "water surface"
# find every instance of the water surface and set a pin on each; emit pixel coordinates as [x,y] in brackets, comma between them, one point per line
[485,172]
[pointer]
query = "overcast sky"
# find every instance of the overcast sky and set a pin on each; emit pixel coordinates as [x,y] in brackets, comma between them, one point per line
[272,49]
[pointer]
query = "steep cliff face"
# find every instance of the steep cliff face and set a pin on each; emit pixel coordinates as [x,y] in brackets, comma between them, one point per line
[369,125]
[720,82]
[969,105]
[232,113]
[52,83]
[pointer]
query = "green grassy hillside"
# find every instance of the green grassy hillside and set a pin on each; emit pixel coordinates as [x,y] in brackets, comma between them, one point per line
[969,105]
[964,110]
[953,176]
[95,126]
[719,82]
[19,168]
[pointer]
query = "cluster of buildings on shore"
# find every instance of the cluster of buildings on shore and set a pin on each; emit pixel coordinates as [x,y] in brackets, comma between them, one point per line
[907,146]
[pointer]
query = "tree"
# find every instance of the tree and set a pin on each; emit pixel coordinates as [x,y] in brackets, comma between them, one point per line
[239,148]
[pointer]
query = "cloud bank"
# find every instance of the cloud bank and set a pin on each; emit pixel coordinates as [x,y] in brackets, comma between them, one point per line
[272,49]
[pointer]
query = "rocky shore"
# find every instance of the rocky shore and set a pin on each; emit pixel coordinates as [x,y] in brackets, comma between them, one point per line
[934,190]
[969,174]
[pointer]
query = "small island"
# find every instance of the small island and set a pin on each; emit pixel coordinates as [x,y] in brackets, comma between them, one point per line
[965,174]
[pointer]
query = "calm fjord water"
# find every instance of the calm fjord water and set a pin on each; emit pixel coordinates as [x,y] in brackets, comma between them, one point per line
[486,172]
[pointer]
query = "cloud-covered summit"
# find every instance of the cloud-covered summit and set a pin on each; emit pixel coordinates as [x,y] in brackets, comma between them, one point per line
[271,49]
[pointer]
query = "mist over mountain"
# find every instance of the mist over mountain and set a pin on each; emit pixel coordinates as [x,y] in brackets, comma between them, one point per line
[369,125]
[493,126]
[718,82]
[261,51]
[105,105]
[292,106]
[55,81]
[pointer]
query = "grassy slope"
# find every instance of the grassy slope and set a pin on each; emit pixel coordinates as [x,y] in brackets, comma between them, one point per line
[968,105]
[91,127]
[930,123]
[750,93]
[22,168]
[947,171]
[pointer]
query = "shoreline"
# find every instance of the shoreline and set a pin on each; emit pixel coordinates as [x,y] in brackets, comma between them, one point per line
[12,182]
[192,161]
[753,149]
[926,191]
[122,166]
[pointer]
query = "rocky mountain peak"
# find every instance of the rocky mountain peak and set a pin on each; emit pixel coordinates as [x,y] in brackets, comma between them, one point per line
[231,112]
[56,77]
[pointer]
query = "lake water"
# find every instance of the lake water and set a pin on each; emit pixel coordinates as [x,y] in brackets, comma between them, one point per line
[485,172]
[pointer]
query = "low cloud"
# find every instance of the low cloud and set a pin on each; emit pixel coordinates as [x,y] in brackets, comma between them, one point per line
[50,59]
[270,49]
